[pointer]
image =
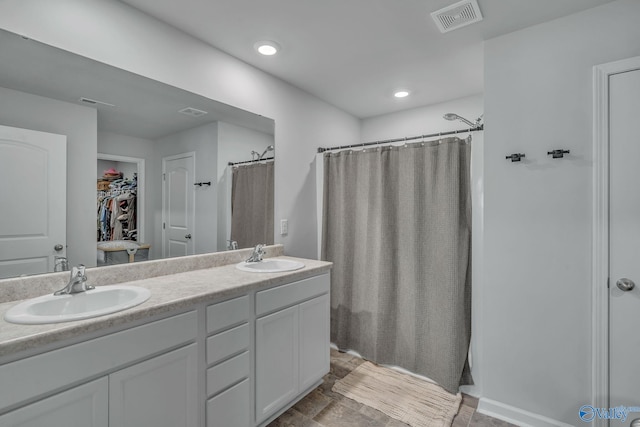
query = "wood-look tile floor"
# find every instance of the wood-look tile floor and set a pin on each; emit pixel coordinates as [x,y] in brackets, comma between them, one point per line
[325,408]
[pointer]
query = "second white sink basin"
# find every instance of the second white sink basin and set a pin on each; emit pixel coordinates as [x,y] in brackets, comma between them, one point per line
[84,305]
[270,266]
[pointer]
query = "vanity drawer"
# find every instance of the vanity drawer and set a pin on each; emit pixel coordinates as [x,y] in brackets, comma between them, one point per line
[283,296]
[231,408]
[228,343]
[227,313]
[229,372]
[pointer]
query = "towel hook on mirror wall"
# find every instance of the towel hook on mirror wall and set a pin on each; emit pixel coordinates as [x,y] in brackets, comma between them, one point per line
[515,157]
[200,184]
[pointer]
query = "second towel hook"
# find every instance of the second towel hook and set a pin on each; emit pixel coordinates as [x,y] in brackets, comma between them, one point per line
[557,154]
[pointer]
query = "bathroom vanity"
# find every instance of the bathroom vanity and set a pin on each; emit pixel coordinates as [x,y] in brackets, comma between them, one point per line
[212,346]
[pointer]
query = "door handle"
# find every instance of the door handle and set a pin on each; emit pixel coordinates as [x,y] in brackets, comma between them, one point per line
[58,247]
[188,237]
[625,284]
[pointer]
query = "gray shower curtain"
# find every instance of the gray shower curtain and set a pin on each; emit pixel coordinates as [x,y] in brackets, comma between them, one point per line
[252,204]
[397,226]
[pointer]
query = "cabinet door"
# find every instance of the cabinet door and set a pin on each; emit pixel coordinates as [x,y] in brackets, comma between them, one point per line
[276,361]
[160,392]
[82,406]
[314,341]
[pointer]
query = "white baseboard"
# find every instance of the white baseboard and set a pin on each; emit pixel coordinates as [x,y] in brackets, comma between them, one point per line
[516,416]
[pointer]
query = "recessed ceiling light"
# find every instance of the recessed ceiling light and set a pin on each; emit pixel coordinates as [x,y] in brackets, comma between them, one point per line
[401,94]
[267,48]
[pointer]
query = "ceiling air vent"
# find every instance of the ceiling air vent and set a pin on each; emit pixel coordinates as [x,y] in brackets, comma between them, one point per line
[194,112]
[95,102]
[457,15]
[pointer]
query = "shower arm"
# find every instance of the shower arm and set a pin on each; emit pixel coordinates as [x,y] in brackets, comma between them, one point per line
[473,125]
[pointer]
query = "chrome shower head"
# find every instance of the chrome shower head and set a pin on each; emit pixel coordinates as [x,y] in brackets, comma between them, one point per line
[454,116]
[269,148]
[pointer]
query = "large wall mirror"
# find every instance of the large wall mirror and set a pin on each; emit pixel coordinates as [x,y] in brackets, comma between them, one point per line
[92,156]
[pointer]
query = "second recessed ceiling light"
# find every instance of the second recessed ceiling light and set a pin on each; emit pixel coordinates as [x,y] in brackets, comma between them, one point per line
[267,48]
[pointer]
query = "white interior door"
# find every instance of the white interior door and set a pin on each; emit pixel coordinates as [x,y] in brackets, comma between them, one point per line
[624,245]
[33,189]
[178,205]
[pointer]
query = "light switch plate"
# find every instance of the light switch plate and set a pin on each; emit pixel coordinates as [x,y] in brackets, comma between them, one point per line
[284,227]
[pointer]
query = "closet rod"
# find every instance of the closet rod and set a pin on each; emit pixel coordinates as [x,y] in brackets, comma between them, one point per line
[388,141]
[251,161]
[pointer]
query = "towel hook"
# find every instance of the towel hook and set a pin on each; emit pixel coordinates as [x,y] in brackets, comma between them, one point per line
[515,157]
[557,154]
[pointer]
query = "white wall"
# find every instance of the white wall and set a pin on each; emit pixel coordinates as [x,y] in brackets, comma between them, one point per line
[147,47]
[537,247]
[235,144]
[203,141]
[79,124]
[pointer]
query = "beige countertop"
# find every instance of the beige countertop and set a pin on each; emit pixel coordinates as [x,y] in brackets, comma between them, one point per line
[169,293]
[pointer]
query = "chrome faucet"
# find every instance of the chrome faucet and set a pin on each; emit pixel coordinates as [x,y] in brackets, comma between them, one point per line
[258,253]
[77,282]
[60,264]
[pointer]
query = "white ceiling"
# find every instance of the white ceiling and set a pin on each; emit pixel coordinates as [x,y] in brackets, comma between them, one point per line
[142,107]
[355,53]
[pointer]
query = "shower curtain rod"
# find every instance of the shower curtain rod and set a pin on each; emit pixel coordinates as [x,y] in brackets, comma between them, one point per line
[251,161]
[388,141]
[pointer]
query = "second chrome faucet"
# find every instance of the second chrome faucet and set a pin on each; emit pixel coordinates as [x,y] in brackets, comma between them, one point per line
[258,253]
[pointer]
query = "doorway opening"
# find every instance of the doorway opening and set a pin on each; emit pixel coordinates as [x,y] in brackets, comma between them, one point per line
[121,177]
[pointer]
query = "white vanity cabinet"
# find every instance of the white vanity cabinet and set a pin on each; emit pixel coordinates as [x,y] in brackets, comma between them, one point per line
[292,342]
[235,361]
[147,375]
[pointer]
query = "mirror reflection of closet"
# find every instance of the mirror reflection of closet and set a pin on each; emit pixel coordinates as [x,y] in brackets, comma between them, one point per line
[130,188]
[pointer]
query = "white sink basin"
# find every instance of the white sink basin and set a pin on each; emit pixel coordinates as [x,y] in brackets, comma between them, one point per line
[270,266]
[65,308]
